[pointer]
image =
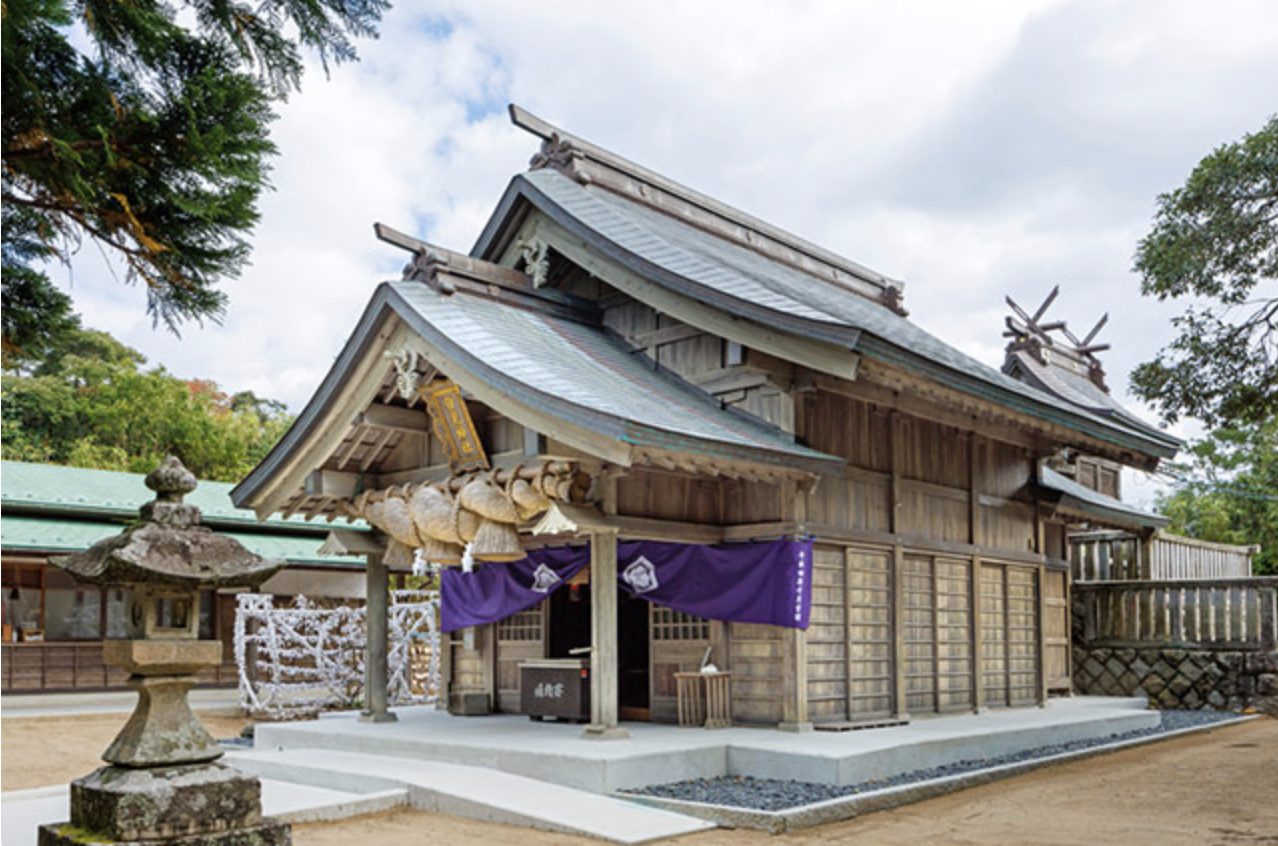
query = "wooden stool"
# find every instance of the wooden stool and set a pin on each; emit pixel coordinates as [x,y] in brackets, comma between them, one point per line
[705,703]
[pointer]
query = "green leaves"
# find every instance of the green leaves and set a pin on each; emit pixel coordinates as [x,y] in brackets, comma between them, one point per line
[1228,491]
[1216,239]
[155,145]
[90,404]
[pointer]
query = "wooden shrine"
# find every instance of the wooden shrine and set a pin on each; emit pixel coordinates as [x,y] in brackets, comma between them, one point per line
[622,358]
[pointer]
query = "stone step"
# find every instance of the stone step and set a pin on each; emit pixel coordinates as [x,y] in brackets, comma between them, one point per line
[473,792]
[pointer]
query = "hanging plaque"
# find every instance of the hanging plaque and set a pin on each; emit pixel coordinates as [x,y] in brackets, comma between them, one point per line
[451,422]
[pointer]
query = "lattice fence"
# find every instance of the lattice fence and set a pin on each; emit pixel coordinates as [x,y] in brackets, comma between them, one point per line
[304,658]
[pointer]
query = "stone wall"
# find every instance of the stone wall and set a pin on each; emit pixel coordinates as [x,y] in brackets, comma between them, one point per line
[1181,678]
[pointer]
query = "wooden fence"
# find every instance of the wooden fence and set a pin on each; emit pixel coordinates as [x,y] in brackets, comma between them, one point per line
[1211,614]
[1116,556]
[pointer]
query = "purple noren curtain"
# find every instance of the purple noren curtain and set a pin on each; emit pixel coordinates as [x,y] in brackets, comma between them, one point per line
[769,583]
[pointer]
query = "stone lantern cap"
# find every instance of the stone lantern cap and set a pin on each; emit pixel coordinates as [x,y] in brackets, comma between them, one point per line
[169,546]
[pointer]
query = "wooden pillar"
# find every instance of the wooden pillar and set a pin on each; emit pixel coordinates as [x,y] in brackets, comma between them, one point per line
[376,612]
[1041,579]
[978,640]
[902,711]
[794,703]
[604,676]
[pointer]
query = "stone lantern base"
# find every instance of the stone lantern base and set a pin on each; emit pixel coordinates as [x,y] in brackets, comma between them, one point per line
[192,805]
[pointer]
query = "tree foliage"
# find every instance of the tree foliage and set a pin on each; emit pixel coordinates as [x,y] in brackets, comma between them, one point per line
[153,144]
[1215,242]
[1229,491]
[91,403]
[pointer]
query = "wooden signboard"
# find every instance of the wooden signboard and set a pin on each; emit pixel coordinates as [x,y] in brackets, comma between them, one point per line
[453,427]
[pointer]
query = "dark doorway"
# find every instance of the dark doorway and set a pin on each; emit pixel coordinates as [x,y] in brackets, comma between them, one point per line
[569,621]
[632,656]
[570,629]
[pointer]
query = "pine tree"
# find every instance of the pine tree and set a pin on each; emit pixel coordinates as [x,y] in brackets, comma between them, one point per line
[154,144]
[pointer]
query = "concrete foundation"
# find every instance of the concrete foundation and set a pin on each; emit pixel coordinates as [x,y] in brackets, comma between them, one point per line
[654,754]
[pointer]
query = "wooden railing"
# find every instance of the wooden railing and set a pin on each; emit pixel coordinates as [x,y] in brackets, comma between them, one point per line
[1213,614]
[1115,556]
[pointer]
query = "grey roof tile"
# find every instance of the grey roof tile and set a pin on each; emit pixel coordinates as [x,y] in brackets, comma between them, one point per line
[748,277]
[553,359]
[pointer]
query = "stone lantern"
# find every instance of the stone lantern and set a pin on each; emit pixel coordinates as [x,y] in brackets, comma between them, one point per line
[162,785]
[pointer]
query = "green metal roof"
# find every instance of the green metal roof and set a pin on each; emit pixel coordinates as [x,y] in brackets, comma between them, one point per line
[1075,497]
[37,534]
[76,491]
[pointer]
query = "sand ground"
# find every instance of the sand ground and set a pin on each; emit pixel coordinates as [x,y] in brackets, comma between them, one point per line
[1212,789]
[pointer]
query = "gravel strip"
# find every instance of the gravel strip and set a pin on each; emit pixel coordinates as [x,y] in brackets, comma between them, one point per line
[765,794]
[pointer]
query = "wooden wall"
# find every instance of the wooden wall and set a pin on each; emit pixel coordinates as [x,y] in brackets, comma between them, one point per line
[470,662]
[950,485]
[928,591]
[520,637]
[757,661]
[678,644]
[898,631]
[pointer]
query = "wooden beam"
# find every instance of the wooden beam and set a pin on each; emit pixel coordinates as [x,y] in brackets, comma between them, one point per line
[376,450]
[440,472]
[914,543]
[348,452]
[661,337]
[647,528]
[332,483]
[393,417]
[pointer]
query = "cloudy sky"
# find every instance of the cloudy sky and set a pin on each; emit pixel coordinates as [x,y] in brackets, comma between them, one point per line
[974,149]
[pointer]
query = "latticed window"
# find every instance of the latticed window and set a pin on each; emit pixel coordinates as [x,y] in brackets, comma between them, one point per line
[526,625]
[668,624]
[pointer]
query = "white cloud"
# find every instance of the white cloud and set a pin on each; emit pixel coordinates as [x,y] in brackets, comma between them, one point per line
[975,149]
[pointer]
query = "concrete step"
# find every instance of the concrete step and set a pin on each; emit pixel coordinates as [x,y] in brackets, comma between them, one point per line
[473,792]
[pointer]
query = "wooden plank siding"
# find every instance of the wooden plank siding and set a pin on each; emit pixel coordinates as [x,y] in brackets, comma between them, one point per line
[520,637]
[757,658]
[678,645]
[928,583]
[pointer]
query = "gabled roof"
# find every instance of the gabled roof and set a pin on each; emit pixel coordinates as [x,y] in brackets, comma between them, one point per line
[582,374]
[526,353]
[689,256]
[1082,501]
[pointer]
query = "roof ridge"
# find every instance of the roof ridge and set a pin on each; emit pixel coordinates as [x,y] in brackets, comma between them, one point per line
[589,163]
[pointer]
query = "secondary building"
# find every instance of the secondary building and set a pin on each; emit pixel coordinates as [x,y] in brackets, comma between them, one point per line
[54,627]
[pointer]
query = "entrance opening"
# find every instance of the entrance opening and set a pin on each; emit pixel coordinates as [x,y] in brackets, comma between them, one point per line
[632,656]
[569,621]
[569,628]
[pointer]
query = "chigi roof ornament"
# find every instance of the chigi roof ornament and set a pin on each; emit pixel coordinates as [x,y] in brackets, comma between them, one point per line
[1029,333]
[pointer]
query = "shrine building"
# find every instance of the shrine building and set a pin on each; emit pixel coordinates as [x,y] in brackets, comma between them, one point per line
[645,434]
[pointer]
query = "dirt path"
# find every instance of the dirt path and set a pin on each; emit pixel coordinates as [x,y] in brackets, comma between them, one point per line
[1214,789]
[39,751]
